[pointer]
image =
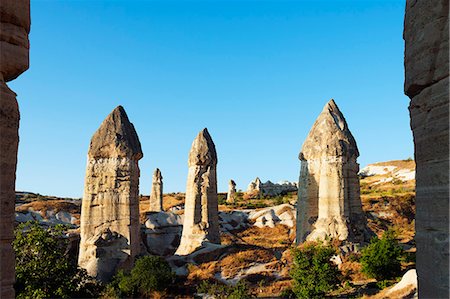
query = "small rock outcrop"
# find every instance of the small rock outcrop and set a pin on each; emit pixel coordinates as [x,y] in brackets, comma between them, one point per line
[14,60]
[426,35]
[201,223]
[156,197]
[109,221]
[329,203]
[231,196]
[256,187]
[163,232]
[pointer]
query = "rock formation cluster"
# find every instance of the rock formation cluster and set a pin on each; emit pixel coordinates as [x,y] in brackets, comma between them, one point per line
[156,197]
[109,224]
[231,196]
[329,203]
[256,187]
[426,35]
[201,222]
[14,60]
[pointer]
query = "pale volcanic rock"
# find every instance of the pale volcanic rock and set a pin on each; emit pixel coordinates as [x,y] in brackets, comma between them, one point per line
[14,60]
[426,35]
[110,208]
[329,204]
[231,196]
[156,196]
[254,186]
[163,232]
[201,223]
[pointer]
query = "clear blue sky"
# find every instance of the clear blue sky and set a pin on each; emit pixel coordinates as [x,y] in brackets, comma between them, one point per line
[255,73]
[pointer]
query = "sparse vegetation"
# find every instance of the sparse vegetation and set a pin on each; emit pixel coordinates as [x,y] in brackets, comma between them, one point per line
[149,274]
[313,273]
[381,258]
[223,291]
[43,267]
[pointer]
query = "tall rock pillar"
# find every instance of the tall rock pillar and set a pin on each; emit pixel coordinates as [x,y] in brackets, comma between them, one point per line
[110,208]
[156,197]
[231,196]
[201,220]
[426,35]
[14,60]
[329,203]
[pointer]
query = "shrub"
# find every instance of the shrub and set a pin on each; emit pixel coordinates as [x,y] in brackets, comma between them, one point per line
[381,258]
[222,291]
[149,274]
[313,273]
[44,268]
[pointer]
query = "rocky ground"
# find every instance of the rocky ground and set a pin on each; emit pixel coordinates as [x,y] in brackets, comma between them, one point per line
[256,232]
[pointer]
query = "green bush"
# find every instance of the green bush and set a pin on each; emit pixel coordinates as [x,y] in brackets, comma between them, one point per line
[381,258]
[313,273]
[44,268]
[149,274]
[223,291]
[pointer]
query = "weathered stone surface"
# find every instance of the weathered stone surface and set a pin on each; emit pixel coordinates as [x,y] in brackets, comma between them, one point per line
[406,287]
[269,217]
[426,44]
[256,187]
[426,35]
[163,232]
[329,203]
[201,222]
[14,51]
[156,196]
[110,208]
[231,196]
[9,126]
[14,44]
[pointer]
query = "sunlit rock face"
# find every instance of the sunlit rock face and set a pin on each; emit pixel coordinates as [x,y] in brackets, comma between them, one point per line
[201,223]
[110,208]
[426,35]
[231,196]
[14,59]
[329,204]
[156,196]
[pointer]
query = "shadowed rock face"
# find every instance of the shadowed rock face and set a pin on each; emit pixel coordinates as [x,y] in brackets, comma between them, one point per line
[156,197]
[110,208]
[426,35]
[231,191]
[329,203]
[14,50]
[201,223]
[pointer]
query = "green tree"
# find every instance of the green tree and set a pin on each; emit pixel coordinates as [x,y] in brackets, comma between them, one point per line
[313,273]
[381,258]
[43,267]
[149,274]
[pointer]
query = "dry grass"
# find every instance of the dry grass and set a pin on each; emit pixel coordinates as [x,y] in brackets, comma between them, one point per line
[277,237]
[406,292]
[233,263]
[46,205]
[407,164]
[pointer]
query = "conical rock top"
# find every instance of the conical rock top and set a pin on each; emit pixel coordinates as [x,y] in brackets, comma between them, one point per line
[157,176]
[329,135]
[116,137]
[203,150]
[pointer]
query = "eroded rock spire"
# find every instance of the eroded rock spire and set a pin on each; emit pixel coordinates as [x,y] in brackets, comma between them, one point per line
[329,204]
[231,192]
[201,223]
[156,197]
[110,208]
